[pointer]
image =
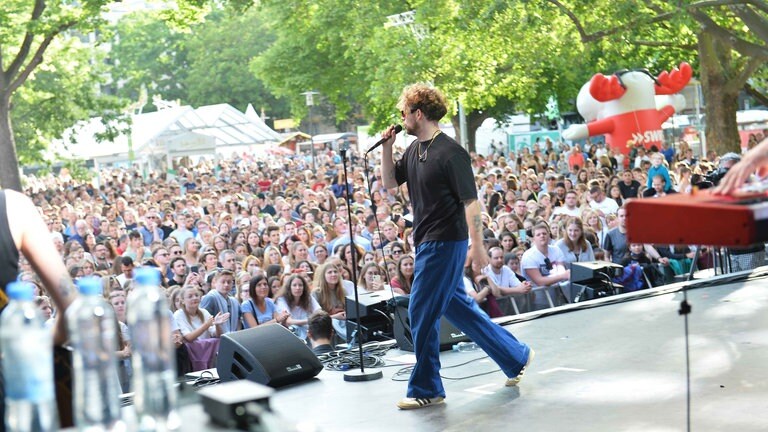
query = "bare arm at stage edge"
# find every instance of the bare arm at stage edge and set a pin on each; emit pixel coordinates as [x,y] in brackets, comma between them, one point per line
[477,252]
[32,238]
[739,173]
[387,165]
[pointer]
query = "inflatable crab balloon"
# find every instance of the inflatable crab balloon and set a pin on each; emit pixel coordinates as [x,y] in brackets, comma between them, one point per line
[629,106]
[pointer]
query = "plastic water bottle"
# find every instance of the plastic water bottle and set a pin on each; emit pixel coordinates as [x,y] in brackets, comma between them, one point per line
[154,356]
[465,347]
[93,333]
[27,347]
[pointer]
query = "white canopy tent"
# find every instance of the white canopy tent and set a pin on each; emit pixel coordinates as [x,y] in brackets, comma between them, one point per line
[170,133]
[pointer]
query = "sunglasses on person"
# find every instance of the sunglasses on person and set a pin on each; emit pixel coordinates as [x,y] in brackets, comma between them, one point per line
[412,110]
[548,263]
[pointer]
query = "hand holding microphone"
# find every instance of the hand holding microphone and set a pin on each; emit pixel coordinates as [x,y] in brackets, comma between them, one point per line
[388,136]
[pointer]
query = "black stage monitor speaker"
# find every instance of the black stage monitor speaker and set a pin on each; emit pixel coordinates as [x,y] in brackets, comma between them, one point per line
[374,319]
[371,303]
[589,271]
[449,334]
[267,354]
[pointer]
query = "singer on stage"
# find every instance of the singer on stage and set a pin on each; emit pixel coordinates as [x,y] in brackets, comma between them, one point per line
[442,191]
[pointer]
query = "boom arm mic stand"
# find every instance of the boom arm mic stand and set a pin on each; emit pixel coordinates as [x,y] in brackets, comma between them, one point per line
[393,303]
[355,375]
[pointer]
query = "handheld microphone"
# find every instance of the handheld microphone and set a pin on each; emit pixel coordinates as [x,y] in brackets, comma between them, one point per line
[398,129]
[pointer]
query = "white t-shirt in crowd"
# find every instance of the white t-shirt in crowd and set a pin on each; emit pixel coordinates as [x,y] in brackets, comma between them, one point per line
[607,206]
[505,279]
[187,327]
[576,212]
[534,259]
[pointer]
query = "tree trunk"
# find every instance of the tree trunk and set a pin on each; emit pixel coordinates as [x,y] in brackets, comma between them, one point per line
[475,119]
[720,94]
[9,163]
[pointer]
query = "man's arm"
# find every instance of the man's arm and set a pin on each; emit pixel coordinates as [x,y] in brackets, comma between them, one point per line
[477,252]
[540,280]
[523,287]
[32,238]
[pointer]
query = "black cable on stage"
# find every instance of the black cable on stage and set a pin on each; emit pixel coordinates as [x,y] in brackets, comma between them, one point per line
[405,373]
[346,359]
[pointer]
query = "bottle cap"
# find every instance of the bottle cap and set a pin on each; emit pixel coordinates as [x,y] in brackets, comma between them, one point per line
[90,285]
[20,291]
[147,276]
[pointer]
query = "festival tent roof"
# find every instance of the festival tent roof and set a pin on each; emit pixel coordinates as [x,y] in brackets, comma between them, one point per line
[333,137]
[203,131]
[176,131]
[250,114]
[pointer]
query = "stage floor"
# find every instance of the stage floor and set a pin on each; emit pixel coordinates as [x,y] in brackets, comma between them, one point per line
[616,367]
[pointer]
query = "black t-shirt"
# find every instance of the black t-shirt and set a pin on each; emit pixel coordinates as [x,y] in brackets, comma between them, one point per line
[616,243]
[172,283]
[438,185]
[629,191]
[322,349]
[167,230]
[9,255]
[268,209]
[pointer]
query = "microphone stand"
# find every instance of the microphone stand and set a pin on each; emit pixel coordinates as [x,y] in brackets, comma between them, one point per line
[393,303]
[355,375]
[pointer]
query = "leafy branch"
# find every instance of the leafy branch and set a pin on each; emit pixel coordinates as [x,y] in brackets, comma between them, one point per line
[756,23]
[37,57]
[755,93]
[598,35]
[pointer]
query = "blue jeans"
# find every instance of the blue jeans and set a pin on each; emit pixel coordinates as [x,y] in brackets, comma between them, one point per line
[438,290]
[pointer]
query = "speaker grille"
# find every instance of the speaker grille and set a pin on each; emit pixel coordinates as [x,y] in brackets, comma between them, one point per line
[240,367]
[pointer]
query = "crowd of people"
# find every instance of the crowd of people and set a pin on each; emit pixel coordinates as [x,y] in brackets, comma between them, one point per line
[248,241]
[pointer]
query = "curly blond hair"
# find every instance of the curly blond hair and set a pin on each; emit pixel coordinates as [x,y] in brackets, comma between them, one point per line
[424,97]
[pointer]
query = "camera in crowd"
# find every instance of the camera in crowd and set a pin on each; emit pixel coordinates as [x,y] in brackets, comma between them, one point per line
[712,178]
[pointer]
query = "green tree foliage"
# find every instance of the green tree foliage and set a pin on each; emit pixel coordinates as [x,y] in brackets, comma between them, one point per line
[203,64]
[503,56]
[149,57]
[28,29]
[320,45]
[220,51]
[59,93]
[499,58]
[494,57]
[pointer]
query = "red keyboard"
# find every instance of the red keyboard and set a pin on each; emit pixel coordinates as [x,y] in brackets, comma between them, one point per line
[700,218]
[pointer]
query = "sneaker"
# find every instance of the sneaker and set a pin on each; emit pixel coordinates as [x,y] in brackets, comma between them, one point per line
[511,382]
[416,403]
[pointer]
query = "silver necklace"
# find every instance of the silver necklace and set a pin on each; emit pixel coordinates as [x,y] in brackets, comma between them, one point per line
[423,156]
